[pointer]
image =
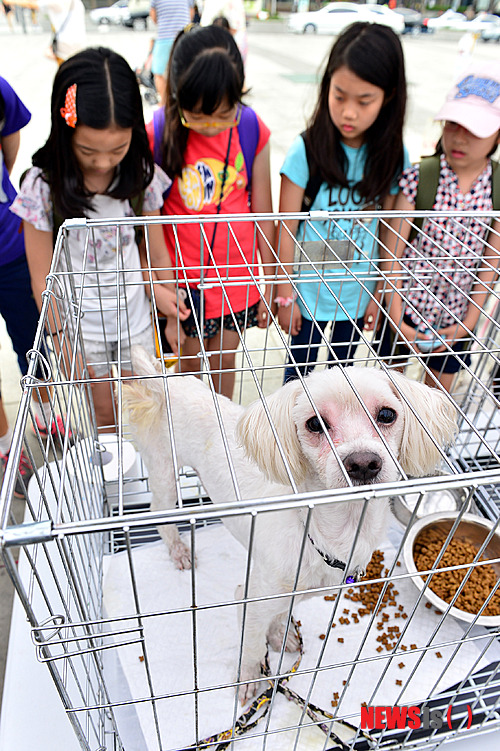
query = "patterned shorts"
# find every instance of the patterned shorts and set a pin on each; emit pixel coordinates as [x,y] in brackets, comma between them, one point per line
[245,319]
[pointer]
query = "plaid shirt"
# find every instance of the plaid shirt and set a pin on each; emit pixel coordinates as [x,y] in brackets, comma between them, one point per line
[442,262]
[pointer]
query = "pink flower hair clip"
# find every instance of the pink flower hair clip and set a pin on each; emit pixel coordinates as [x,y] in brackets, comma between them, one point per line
[69,109]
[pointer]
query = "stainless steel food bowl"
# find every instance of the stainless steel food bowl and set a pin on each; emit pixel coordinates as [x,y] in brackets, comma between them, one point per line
[443,501]
[472,529]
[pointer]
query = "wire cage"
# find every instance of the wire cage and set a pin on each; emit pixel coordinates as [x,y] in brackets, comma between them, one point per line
[145,655]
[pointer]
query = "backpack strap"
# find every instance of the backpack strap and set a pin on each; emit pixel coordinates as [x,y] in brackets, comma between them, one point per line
[428,181]
[158,130]
[137,203]
[249,134]
[429,171]
[495,184]
[314,182]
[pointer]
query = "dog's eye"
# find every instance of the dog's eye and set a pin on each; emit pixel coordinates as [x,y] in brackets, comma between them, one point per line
[315,426]
[386,415]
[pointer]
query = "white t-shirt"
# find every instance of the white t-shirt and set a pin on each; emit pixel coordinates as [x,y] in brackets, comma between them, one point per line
[67,18]
[104,260]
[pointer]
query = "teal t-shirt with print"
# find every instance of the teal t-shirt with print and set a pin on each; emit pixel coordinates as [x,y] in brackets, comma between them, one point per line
[340,294]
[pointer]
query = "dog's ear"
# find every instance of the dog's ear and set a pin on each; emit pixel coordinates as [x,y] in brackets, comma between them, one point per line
[436,426]
[262,432]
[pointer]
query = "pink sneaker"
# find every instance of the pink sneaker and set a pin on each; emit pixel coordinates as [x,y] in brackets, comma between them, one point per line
[57,430]
[24,474]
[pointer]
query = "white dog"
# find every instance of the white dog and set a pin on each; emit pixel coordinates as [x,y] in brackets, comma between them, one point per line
[353,426]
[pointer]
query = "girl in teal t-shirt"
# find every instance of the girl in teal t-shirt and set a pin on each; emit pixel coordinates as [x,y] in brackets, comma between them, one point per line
[355,146]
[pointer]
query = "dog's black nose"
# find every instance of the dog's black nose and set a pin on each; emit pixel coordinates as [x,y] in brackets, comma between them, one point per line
[363,466]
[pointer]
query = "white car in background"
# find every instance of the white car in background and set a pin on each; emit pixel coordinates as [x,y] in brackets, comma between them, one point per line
[110,15]
[484,22]
[335,17]
[492,33]
[450,19]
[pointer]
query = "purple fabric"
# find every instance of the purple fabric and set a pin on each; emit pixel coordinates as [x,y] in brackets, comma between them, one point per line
[248,131]
[16,116]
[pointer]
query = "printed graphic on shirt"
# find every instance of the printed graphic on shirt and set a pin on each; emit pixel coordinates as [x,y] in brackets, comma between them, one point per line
[344,196]
[201,183]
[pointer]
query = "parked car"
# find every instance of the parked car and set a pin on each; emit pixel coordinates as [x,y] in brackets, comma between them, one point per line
[111,15]
[483,22]
[384,15]
[492,33]
[131,13]
[138,14]
[414,21]
[335,17]
[450,19]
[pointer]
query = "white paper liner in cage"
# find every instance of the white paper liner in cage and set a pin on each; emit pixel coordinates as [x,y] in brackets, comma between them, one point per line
[76,589]
[220,568]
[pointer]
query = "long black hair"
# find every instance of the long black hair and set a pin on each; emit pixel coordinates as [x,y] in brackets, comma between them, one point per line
[205,70]
[373,53]
[107,94]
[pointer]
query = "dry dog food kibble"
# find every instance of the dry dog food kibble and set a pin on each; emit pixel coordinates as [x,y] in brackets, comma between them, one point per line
[458,552]
[366,598]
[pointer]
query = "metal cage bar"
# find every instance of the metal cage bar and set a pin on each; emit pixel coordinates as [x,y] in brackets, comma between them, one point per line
[101,595]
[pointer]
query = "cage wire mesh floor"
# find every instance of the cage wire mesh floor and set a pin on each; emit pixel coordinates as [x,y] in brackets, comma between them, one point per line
[146,655]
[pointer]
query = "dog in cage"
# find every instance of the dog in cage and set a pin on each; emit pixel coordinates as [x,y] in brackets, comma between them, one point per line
[338,428]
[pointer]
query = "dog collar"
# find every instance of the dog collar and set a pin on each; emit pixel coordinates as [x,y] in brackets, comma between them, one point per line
[356,576]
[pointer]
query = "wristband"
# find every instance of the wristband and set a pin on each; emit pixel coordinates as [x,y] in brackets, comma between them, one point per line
[285,302]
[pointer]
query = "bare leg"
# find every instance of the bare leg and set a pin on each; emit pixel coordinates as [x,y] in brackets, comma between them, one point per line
[445,379]
[4,424]
[222,349]
[224,344]
[190,362]
[161,86]
[104,405]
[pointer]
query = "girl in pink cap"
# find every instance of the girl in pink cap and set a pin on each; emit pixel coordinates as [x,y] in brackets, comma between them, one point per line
[444,272]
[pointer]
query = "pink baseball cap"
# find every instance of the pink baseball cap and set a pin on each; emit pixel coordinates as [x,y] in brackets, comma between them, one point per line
[474,101]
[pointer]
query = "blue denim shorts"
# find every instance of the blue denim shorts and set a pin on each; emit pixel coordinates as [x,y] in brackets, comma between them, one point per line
[161,53]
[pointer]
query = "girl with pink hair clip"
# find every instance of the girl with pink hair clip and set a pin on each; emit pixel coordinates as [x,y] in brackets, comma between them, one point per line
[97,163]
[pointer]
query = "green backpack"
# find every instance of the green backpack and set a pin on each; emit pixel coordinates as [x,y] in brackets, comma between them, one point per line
[428,181]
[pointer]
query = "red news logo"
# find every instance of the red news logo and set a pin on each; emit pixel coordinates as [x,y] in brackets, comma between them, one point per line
[408,718]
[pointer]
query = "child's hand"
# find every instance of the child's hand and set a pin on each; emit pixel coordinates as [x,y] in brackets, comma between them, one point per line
[290,319]
[418,339]
[175,334]
[373,316]
[263,315]
[449,335]
[169,303]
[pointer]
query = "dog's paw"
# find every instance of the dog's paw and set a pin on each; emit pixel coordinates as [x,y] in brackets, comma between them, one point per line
[276,635]
[250,684]
[181,555]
